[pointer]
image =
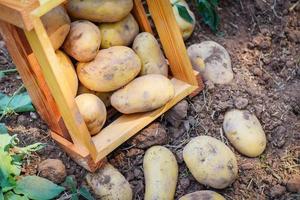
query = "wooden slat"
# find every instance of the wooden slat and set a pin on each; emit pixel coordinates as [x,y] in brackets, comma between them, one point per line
[17,12]
[171,39]
[141,17]
[44,52]
[128,125]
[46,6]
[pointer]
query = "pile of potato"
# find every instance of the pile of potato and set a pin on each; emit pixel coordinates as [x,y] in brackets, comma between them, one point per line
[106,61]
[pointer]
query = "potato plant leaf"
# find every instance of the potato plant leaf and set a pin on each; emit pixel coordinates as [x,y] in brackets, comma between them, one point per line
[12,196]
[37,188]
[7,171]
[1,195]
[1,75]
[3,129]
[207,10]
[19,103]
[184,13]
[83,191]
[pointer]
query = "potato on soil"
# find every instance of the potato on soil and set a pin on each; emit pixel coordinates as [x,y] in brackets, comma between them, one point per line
[161,173]
[104,96]
[186,27]
[93,112]
[212,61]
[211,162]
[145,93]
[111,69]
[203,195]
[68,71]
[109,184]
[99,10]
[120,33]
[83,41]
[57,24]
[152,57]
[245,132]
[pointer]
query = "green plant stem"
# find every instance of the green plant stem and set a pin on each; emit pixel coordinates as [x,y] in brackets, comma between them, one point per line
[8,71]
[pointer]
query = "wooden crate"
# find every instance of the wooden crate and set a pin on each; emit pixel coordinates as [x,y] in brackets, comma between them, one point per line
[32,52]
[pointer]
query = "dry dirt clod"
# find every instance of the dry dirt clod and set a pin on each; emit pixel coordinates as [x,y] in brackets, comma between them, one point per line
[261,42]
[241,102]
[154,134]
[176,114]
[293,35]
[134,152]
[293,184]
[52,169]
[277,191]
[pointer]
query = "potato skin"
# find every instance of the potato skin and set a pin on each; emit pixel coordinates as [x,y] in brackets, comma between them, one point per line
[217,62]
[245,132]
[68,71]
[109,184]
[203,195]
[104,96]
[145,93]
[153,60]
[161,173]
[57,24]
[93,112]
[120,33]
[210,161]
[112,68]
[83,41]
[99,10]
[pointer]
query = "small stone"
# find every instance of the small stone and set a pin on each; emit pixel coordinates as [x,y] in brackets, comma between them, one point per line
[184,183]
[247,166]
[53,169]
[129,176]
[257,72]
[293,184]
[137,173]
[176,114]
[277,191]
[261,42]
[154,134]
[22,120]
[177,132]
[33,115]
[289,63]
[241,103]
[179,157]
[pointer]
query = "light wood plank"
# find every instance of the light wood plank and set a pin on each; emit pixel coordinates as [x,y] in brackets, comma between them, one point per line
[46,6]
[141,17]
[128,125]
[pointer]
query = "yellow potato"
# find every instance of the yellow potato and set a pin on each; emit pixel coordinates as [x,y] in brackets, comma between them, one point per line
[203,195]
[112,68]
[109,184]
[245,132]
[145,93]
[153,60]
[68,70]
[104,96]
[83,41]
[212,61]
[57,24]
[210,161]
[120,33]
[93,112]
[186,27]
[161,173]
[99,10]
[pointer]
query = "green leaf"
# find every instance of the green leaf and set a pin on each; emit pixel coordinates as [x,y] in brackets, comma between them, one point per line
[7,171]
[208,12]
[184,13]
[70,184]
[1,75]
[3,129]
[30,148]
[12,196]
[37,188]
[74,197]
[19,103]
[83,191]
[1,195]
[215,3]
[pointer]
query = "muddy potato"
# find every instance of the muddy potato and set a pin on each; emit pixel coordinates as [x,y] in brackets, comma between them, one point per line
[120,33]
[68,71]
[245,132]
[57,24]
[99,11]
[104,96]
[93,112]
[111,69]
[203,195]
[210,161]
[109,184]
[83,41]
[145,93]
[186,27]
[161,173]
[153,60]
[212,61]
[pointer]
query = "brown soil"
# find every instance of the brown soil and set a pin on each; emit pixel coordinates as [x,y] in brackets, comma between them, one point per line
[264,45]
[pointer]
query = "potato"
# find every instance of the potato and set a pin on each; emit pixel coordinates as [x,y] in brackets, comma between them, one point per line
[217,61]
[210,161]
[143,94]
[68,70]
[161,173]
[186,27]
[99,10]
[112,68]
[244,132]
[83,41]
[120,33]
[153,60]
[203,195]
[57,24]
[104,96]
[93,112]
[109,184]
